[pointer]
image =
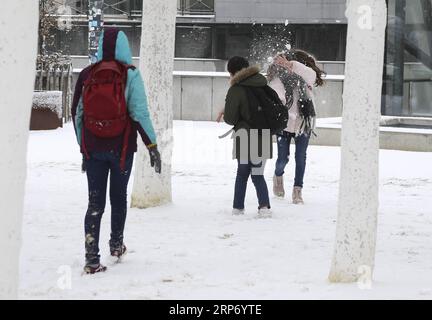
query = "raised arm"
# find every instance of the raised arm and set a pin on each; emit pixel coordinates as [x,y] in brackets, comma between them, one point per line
[308,74]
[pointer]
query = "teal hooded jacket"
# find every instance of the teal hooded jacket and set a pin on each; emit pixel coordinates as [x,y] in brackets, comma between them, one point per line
[113,44]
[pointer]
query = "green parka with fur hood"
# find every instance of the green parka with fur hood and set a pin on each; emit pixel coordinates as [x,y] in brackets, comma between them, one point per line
[237,111]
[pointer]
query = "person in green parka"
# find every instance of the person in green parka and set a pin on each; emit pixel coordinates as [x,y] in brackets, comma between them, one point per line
[251,147]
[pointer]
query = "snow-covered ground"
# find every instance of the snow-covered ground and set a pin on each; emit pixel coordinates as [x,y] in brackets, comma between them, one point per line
[195,249]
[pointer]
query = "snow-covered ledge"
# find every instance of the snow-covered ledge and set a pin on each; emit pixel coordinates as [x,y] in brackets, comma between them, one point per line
[396,133]
[51,100]
[47,110]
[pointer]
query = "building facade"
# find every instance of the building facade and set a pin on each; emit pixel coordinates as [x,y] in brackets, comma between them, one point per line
[257,29]
[219,29]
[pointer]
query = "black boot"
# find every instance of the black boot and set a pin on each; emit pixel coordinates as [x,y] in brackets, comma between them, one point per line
[91,269]
[118,252]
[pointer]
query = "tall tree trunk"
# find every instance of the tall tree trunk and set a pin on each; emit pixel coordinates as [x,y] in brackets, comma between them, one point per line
[358,188]
[156,65]
[17,65]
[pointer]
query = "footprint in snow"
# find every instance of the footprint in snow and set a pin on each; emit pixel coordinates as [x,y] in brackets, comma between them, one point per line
[226,236]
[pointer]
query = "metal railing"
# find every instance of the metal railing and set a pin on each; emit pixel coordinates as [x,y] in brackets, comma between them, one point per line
[78,7]
[57,77]
[126,8]
[131,9]
[191,7]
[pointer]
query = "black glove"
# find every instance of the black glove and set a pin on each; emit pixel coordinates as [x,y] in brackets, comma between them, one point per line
[83,165]
[155,158]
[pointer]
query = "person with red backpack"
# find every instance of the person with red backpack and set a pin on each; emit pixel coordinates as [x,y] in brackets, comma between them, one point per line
[108,109]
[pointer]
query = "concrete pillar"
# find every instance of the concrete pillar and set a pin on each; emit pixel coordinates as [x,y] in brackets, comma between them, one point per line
[18,48]
[156,65]
[358,189]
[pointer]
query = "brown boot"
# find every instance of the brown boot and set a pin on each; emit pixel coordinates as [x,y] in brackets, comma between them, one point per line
[297,195]
[278,186]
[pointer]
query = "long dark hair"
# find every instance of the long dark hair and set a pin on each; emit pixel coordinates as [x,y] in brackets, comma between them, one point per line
[309,61]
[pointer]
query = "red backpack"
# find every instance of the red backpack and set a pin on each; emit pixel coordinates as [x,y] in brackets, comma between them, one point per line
[104,103]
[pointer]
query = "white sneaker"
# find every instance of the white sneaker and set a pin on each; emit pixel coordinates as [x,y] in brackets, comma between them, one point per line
[238,212]
[264,213]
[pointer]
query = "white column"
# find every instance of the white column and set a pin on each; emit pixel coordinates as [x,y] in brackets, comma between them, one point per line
[18,47]
[156,65]
[358,189]
[95,27]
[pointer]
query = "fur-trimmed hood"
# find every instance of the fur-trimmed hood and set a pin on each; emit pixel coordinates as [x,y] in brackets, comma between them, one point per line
[250,76]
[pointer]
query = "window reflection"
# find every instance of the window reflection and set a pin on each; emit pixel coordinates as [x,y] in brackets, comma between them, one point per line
[408,60]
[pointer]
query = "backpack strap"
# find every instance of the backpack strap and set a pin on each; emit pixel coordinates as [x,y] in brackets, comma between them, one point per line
[226,133]
[233,128]
[128,130]
[83,145]
[127,67]
[125,144]
[253,102]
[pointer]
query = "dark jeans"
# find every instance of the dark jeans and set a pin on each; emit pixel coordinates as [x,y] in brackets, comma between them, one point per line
[243,173]
[98,167]
[283,143]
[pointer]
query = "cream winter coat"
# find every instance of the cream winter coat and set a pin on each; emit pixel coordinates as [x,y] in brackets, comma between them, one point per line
[309,76]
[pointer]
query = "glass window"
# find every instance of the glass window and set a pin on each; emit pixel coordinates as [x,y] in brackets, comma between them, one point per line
[79,7]
[186,7]
[408,60]
[116,7]
[193,42]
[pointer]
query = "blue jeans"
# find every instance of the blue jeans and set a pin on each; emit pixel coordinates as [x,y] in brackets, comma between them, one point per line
[243,173]
[301,145]
[98,167]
